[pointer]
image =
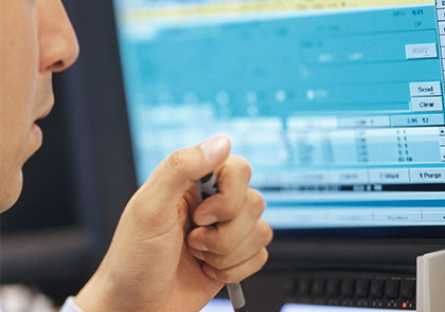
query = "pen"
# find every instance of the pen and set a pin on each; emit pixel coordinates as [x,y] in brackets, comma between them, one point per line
[206,187]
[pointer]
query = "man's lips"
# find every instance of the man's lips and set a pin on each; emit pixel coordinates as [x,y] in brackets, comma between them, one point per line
[35,129]
[46,112]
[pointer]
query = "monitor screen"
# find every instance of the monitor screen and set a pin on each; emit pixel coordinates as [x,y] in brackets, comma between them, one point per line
[218,305]
[337,105]
[224,305]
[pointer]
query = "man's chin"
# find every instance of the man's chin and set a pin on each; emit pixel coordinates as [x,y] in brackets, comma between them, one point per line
[10,190]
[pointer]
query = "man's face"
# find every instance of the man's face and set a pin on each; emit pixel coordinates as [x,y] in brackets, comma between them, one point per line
[36,39]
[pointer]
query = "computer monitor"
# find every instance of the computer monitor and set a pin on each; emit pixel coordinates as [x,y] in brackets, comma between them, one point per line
[338,107]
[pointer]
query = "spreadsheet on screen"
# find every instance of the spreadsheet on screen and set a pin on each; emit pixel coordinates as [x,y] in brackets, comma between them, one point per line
[337,105]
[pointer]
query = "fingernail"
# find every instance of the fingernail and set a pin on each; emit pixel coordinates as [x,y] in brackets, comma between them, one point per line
[213,146]
[198,245]
[198,254]
[205,220]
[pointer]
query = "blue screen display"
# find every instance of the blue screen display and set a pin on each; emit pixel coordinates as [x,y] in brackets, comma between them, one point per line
[337,105]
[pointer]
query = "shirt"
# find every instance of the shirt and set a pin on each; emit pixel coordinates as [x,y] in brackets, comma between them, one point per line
[70,306]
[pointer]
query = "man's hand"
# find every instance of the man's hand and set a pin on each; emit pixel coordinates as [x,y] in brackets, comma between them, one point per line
[168,253]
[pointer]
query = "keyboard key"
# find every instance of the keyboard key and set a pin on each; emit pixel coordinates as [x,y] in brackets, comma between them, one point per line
[318,287]
[362,288]
[347,288]
[407,289]
[377,287]
[304,287]
[333,287]
[392,288]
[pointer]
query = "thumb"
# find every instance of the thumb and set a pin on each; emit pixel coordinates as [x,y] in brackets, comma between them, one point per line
[178,172]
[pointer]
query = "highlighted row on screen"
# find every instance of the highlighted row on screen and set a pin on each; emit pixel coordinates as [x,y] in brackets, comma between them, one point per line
[245,7]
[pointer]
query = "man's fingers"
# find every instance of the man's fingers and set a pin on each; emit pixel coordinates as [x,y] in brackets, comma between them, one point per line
[177,173]
[169,184]
[233,181]
[228,235]
[238,273]
[260,237]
